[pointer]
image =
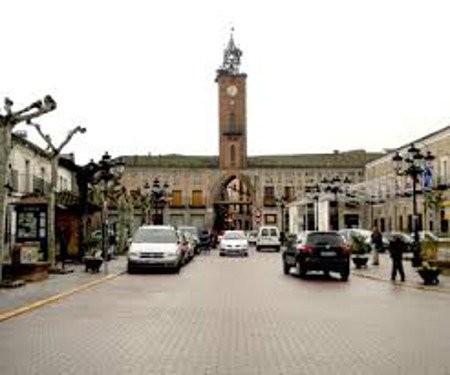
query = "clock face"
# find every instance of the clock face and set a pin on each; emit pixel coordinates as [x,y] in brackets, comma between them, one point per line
[232,90]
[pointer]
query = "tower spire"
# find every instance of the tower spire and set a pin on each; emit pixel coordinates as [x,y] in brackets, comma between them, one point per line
[231,57]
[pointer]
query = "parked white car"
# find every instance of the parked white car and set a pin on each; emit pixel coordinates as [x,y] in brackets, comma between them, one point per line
[268,237]
[234,242]
[156,246]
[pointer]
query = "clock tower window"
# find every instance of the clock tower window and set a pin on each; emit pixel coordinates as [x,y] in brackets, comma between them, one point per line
[233,155]
[231,123]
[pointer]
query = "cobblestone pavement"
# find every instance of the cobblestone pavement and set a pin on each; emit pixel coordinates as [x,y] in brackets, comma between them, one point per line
[233,316]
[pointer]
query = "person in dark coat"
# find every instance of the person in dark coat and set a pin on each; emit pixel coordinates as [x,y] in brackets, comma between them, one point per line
[396,249]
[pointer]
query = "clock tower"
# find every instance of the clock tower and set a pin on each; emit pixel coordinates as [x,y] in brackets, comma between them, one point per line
[232,110]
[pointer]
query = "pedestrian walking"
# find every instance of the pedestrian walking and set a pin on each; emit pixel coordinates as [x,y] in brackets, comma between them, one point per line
[396,249]
[377,245]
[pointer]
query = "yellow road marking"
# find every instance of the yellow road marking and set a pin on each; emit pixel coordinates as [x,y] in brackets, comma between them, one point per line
[21,310]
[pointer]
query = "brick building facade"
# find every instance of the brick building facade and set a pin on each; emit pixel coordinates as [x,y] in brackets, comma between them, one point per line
[233,189]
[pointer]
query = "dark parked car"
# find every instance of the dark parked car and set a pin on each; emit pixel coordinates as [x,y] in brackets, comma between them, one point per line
[204,240]
[318,251]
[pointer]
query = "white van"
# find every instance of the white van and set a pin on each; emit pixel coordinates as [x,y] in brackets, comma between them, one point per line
[156,246]
[268,237]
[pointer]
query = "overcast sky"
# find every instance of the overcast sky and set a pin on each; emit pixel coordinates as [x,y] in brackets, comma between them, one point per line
[139,75]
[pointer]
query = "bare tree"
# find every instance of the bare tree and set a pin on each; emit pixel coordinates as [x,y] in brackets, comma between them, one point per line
[7,123]
[54,160]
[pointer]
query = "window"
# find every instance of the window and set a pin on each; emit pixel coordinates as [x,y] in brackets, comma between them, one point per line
[270,219]
[269,196]
[231,123]
[177,198]
[27,177]
[196,180]
[444,170]
[233,155]
[197,198]
[289,193]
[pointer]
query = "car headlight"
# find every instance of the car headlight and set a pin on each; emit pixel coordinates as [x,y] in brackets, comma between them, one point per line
[171,253]
[133,254]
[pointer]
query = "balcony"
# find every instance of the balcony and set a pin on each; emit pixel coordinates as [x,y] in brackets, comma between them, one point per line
[232,132]
[197,205]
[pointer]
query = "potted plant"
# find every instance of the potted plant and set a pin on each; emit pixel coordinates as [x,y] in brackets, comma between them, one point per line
[93,258]
[427,271]
[360,250]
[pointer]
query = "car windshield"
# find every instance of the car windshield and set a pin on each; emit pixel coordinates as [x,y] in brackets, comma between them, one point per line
[155,236]
[269,232]
[234,236]
[332,239]
[191,230]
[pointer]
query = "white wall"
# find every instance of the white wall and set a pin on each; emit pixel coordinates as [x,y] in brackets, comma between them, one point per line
[20,154]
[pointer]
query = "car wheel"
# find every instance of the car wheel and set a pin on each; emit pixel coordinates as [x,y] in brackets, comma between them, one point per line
[222,254]
[130,268]
[277,249]
[301,270]
[177,268]
[344,276]
[258,248]
[246,254]
[286,268]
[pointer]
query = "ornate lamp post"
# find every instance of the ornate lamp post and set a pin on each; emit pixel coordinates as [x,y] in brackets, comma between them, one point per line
[372,201]
[107,171]
[335,186]
[146,203]
[159,199]
[281,202]
[85,179]
[313,192]
[413,165]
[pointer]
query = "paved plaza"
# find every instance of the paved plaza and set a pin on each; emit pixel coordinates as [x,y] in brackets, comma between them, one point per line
[234,316]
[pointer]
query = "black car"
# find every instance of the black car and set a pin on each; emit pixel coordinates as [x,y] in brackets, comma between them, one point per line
[318,251]
[204,240]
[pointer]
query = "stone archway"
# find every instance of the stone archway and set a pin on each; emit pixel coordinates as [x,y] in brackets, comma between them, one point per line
[233,197]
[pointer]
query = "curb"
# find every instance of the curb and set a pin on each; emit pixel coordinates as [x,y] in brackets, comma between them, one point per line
[410,286]
[35,305]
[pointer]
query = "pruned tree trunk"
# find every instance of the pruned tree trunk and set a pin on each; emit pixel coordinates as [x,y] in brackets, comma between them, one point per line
[5,151]
[51,212]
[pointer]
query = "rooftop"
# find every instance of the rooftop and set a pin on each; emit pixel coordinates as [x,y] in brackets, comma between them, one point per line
[346,159]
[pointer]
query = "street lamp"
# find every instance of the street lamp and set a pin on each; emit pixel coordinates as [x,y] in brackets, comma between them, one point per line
[159,199]
[415,164]
[85,179]
[336,186]
[313,192]
[107,171]
[146,203]
[372,201]
[281,202]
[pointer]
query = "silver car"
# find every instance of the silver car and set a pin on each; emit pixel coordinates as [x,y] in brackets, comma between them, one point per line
[234,242]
